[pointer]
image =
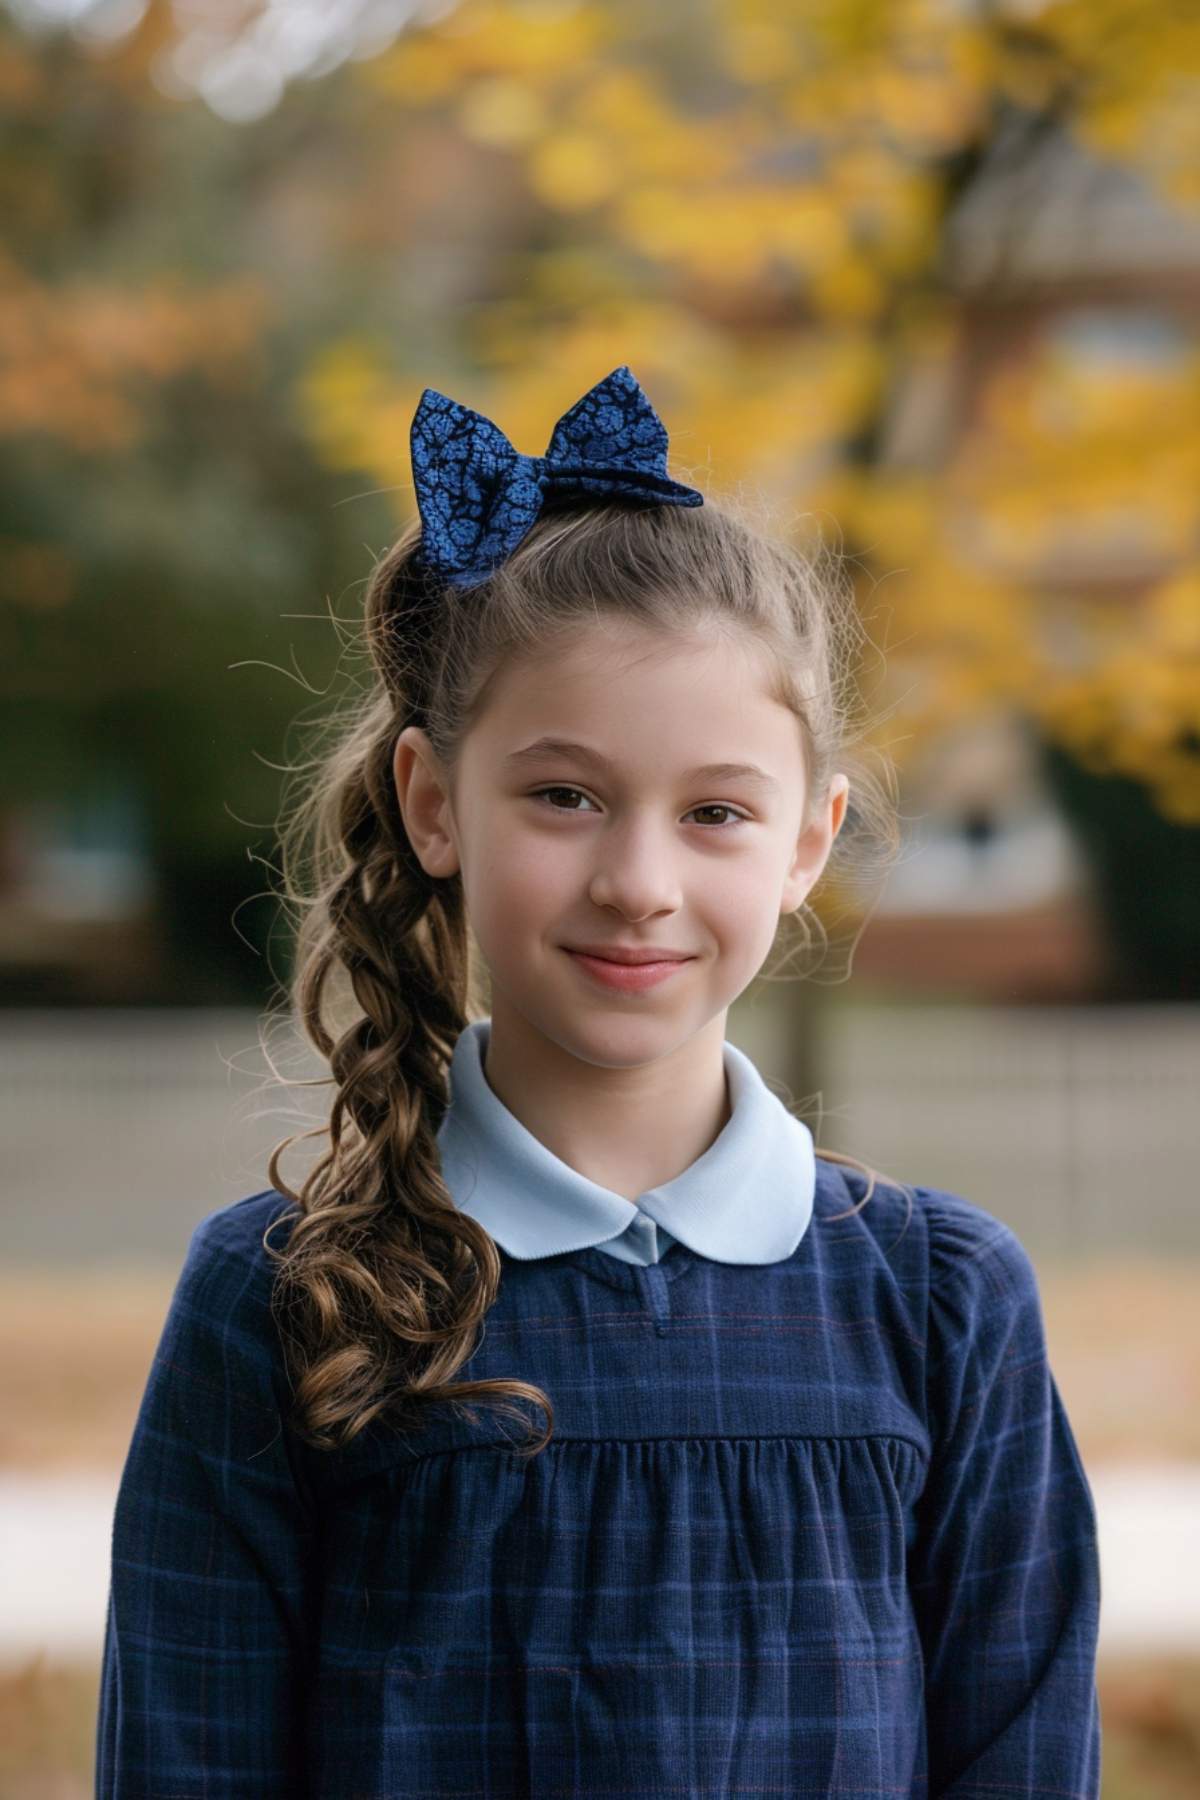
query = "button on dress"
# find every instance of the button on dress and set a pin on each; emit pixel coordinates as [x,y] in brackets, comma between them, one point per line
[812,1524]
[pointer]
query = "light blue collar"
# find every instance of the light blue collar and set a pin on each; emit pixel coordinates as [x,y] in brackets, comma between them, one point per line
[747,1199]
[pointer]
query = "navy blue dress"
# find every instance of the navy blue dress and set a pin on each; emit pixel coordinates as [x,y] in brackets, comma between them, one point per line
[815,1527]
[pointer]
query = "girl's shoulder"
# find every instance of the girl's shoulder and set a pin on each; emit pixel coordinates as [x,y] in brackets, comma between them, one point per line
[958,1246]
[223,1291]
[237,1229]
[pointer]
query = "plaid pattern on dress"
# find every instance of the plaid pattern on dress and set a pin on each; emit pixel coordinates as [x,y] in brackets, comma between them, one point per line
[811,1528]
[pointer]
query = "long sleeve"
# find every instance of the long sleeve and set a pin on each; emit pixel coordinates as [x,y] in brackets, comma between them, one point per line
[207,1631]
[1004,1570]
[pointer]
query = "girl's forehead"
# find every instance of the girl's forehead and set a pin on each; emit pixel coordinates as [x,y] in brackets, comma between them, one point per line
[606,660]
[701,711]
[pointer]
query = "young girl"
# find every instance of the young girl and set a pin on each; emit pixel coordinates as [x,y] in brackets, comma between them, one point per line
[577,1429]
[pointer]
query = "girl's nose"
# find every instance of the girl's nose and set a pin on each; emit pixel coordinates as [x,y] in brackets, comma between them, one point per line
[637,876]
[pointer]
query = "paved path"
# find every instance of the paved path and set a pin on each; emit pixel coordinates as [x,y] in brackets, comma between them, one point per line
[55,1546]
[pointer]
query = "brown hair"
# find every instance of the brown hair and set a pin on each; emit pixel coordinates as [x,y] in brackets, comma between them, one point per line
[383,1285]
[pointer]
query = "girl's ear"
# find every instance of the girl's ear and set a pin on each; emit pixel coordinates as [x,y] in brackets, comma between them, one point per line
[813,846]
[838,799]
[424,802]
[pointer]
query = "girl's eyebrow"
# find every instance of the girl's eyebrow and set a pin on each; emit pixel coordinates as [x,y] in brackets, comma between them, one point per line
[566,747]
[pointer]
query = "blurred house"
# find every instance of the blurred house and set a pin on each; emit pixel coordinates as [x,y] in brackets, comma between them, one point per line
[1053,247]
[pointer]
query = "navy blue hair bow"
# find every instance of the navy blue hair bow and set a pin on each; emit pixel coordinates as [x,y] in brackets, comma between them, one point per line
[478,497]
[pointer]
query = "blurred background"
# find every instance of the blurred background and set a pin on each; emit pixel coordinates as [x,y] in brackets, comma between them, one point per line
[921,276]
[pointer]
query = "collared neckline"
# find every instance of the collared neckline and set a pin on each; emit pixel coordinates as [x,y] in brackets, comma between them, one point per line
[747,1199]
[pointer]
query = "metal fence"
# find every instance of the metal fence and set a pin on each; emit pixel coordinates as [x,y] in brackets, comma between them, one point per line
[1079,1127]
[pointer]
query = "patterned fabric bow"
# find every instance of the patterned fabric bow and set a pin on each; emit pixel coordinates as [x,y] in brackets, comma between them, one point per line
[478,497]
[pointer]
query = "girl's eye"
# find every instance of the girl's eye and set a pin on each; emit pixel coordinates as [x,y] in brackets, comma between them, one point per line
[716,806]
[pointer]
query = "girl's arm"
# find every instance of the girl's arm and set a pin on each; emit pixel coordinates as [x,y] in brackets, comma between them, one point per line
[212,1551]
[1004,1569]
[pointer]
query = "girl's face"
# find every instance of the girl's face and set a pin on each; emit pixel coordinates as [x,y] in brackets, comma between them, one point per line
[631,845]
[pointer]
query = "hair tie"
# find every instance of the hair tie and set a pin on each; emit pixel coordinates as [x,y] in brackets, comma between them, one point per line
[478,496]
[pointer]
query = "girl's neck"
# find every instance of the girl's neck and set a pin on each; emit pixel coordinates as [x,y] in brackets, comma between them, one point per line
[627,1129]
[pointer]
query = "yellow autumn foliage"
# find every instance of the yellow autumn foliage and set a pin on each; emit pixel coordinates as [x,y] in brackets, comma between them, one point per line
[751,205]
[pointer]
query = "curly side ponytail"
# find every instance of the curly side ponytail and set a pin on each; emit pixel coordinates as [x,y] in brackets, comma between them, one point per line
[383,1284]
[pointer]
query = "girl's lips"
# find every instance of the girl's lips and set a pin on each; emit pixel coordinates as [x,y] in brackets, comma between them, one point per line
[629,978]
